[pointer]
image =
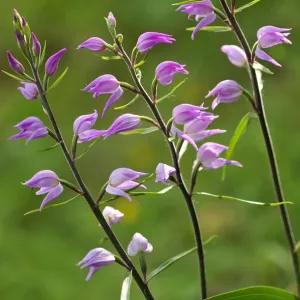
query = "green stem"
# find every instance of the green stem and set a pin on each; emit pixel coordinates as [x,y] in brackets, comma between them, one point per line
[86,194]
[180,181]
[268,141]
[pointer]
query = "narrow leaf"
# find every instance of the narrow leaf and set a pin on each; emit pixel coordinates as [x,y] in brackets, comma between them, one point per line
[259,79]
[183,2]
[58,80]
[128,104]
[211,28]
[172,91]
[52,206]
[183,149]
[88,149]
[257,66]
[13,76]
[246,6]
[297,247]
[256,293]
[50,148]
[141,131]
[42,58]
[125,292]
[222,197]
[174,259]
[109,57]
[164,191]
[239,131]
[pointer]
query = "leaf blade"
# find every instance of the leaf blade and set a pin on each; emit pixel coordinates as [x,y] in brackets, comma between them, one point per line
[58,80]
[172,91]
[140,131]
[216,29]
[238,10]
[125,292]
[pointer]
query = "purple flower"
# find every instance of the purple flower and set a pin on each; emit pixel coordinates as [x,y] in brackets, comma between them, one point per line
[139,244]
[208,155]
[82,128]
[105,84]
[111,20]
[123,123]
[264,56]
[184,113]
[94,44]
[166,70]
[36,46]
[202,9]
[95,260]
[29,91]
[122,179]
[163,172]
[15,64]
[226,91]
[148,40]
[53,61]
[48,182]
[196,130]
[112,216]
[235,54]
[270,36]
[31,128]
[20,39]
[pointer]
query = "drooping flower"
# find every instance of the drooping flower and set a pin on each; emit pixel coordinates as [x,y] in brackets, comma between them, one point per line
[123,123]
[15,64]
[29,90]
[236,55]
[148,40]
[36,46]
[269,36]
[112,216]
[94,44]
[95,260]
[121,180]
[31,128]
[163,173]
[82,128]
[196,130]
[226,91]
[264,56]
[166,70]
[53,61]
[105,84]
[208,155]
[202,9]
[184,113]
[139,244]
[112,20]
[47,182]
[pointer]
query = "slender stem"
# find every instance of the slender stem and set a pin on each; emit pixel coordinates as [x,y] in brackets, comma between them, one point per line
[70,186]
[87,195]
[180,181]
[268,141]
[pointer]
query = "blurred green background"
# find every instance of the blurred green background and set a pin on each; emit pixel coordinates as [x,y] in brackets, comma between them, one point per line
[38,253]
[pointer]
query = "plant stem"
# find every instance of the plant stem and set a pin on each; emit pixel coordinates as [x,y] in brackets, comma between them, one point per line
[87,195]
[180,181]
[268,141]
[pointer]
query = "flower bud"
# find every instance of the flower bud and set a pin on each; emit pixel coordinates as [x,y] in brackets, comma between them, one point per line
[15,64]
[17,20]
[166,70]
[36,46]
[112,216]
[94,44]
[139,244]
[111,20]
[29,91]
[163,173]
[53,61]
[235,54]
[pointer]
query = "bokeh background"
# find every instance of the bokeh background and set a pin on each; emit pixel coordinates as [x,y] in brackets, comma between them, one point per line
[38,253]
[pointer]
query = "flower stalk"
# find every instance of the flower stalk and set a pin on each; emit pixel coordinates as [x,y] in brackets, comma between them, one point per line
[268,141]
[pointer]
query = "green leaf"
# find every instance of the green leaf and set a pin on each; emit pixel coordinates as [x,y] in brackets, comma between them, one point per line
[174,259]
[222,197]
[58,80]
[52,206]
[211,28]
[13,76]
[50,148]
[128,104]
[256,293]
[183,2]
[42,58]
[88,149]
[246,6]
[161,192]
[172,91]
[297,247]
[239,131]
[141,131]
[109,57]
[257,66]
[125,292]
[139,64]
[183,149]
